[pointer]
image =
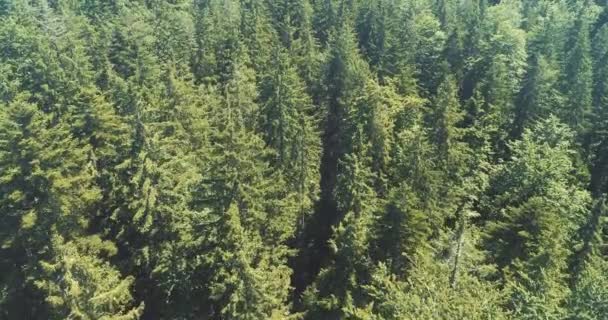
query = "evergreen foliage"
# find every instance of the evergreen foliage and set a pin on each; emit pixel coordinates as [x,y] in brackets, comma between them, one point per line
[303,159]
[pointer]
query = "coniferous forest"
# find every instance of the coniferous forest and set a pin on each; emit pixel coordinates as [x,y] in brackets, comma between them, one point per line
[303,159]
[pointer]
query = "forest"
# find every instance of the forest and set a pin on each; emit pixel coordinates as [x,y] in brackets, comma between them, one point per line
[303,159]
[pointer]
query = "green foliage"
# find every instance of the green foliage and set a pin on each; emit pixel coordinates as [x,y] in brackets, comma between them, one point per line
[245,285]
[536,209]
[289,126]
[402,230]
[338,287]
[588,299]
[427,295]
[82,286]
[579,77]
[352,159]
[47,184]
[447,116]
[540,95]
[429,44]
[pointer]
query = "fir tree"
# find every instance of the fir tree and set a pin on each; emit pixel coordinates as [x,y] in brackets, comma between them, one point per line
[338,287]
[578,78]
[340,159]
[289,126]
[529,236]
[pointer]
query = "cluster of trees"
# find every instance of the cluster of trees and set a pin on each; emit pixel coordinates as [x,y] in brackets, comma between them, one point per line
[303,159]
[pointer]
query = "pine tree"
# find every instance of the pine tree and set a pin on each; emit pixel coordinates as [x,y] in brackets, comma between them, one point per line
[240,184]
[292,21]
[216,34]
[428,295]
[344,76]
[50,183]
[539,96]
[599,116]
[257,34]
[338,287]
[377,29]
[446,116]
[464,45]
[587,300]
[430,42]
[500,68]
[589,239]
[156,222]
[401,231]
[289,126]
[341,159]
[578,78]
[409,164]
[325,19]
[372,118]
[245,285]
[529,234]
[173,33]
[81,285]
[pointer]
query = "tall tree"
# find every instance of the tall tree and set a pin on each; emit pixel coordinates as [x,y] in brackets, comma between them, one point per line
[578,78]
[345,75]
[501,66]
[289,125]
[536,208]
[337,290]
[430,42]
[599,122]
[48,186]
[539,95]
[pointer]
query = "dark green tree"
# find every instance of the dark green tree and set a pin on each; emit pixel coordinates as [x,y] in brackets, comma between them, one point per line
[578,78]
[337,290]
[537,206]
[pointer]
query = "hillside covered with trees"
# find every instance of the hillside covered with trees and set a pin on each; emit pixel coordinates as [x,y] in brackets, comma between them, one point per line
[303,159]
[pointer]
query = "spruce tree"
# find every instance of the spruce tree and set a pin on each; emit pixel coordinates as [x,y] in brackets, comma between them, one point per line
[536,209]
[446,114]
[427,294]
[340,159]
[245,283]
[289,125]
[49,186]
[578,78]
[430,42]
[242,185]
[80,284]
[597,138]
[539,96]
[337,290]
[500,66]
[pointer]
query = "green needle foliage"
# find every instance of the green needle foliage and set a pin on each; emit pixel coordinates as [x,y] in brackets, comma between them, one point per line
[303,159]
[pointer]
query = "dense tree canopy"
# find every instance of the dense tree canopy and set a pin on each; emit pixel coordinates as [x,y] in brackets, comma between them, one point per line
[303,159]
